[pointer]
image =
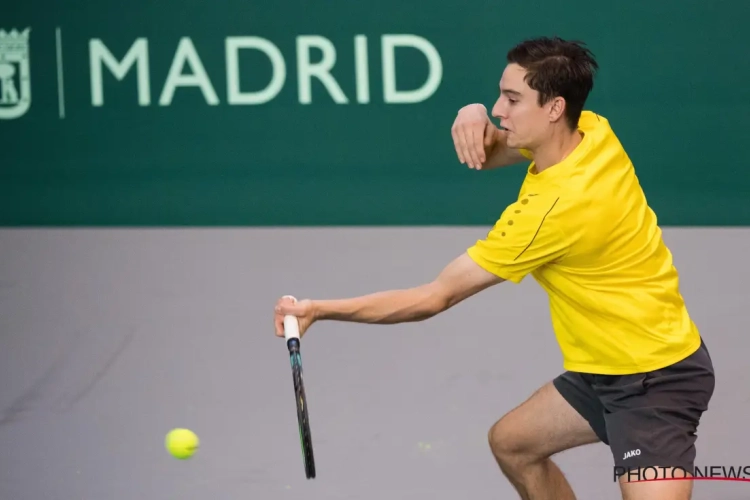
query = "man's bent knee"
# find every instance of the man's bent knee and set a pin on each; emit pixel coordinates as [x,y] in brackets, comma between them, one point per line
[506,446]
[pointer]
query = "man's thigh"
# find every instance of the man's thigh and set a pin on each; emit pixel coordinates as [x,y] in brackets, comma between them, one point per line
[543,425]
[576,389]
[632,489]
[649,420]
[652,418]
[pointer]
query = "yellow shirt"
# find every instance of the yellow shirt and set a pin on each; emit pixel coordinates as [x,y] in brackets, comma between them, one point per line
[585,232]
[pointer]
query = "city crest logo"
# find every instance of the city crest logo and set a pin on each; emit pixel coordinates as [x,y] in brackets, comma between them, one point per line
[15,83]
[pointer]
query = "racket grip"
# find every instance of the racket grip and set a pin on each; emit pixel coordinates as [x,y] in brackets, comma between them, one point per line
[291,325]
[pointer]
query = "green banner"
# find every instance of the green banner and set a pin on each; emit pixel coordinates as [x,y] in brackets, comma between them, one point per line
[298,113]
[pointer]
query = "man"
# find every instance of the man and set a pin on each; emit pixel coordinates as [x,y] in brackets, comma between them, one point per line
[638,376]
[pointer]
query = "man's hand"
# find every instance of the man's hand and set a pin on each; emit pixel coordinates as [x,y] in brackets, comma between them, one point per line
[302,309]
[479,143]
[474,135]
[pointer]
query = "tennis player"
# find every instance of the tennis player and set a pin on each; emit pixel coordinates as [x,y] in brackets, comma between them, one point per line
[637,374]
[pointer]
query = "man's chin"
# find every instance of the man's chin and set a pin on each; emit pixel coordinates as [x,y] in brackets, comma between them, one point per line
[511,143]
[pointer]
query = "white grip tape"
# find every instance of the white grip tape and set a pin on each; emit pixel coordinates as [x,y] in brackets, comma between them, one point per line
[291,325]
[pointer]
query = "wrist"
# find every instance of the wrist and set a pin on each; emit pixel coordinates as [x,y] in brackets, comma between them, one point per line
[314,310]
[318,310]
[336,310]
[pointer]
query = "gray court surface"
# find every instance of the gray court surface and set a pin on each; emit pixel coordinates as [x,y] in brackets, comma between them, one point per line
[109,338]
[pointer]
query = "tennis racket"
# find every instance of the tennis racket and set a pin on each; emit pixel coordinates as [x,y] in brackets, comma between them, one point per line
[291,334]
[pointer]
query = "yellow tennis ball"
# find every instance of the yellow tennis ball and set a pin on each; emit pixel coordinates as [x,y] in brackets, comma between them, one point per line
[181,443]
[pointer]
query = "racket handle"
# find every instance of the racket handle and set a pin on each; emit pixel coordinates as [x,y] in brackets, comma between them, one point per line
[291,325]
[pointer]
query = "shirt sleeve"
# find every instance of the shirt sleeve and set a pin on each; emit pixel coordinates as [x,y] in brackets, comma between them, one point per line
[524,238]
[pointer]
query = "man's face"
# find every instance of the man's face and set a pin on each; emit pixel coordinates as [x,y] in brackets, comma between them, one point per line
[518,109]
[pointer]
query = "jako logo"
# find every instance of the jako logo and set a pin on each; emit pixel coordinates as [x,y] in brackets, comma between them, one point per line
[631,454]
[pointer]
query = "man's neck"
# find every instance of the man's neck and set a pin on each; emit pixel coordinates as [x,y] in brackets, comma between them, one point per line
[556,150]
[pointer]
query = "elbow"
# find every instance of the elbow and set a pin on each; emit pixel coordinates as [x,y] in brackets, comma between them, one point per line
[435,302]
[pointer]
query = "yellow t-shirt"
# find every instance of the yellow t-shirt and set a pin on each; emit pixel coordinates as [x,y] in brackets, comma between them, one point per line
[585,232]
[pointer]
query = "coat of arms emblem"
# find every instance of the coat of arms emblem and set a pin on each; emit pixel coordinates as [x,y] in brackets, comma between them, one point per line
[15,83]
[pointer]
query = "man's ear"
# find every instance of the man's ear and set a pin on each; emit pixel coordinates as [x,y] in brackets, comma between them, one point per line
[556,109]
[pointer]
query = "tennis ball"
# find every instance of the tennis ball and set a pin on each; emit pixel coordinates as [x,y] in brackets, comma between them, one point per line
[181,443]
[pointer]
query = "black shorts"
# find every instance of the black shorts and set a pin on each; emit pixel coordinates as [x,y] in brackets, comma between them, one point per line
[647,419]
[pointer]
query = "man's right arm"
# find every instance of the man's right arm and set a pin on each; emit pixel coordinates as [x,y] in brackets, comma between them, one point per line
[459,280]
[479,143]
[499,154]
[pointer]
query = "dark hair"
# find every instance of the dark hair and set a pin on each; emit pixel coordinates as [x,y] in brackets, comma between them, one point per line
[556,67]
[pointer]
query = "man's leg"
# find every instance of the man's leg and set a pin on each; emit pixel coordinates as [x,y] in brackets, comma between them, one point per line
[633,489]
[652,420]
[524,440]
